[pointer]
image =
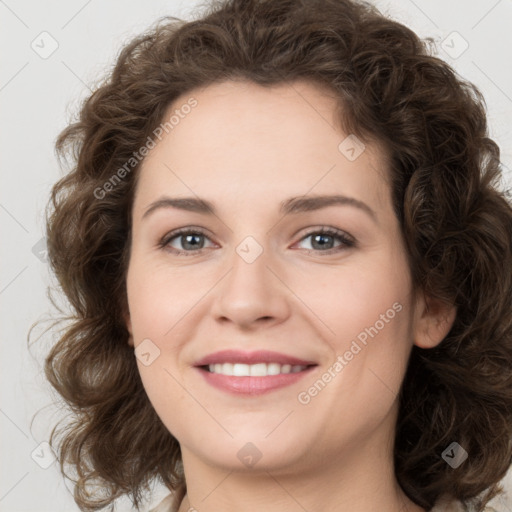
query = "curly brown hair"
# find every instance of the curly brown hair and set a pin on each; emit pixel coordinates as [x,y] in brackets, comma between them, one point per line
[444,172]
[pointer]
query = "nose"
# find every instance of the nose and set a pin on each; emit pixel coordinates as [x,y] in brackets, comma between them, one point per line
[251,294]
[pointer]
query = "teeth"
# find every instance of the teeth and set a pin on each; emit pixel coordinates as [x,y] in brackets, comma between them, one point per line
[254,370]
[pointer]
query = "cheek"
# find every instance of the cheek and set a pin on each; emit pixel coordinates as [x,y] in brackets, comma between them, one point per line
[352,298]
[155,311]
[158,297]
[366,309]
[162,304]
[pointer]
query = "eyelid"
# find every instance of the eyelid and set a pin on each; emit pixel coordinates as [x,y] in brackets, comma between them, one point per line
[348,241]
[322,228]
[166,239]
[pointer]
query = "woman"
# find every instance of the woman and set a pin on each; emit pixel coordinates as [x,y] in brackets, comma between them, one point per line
[290,266]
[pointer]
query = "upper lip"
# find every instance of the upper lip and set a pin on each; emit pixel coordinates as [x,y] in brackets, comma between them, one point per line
[254,357]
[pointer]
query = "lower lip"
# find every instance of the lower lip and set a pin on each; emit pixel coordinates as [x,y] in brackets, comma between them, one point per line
[253,385]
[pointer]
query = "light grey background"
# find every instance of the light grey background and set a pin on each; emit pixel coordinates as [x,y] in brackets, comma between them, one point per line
[37,97]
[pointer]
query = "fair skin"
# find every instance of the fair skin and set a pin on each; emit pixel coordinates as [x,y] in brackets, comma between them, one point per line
[246,148]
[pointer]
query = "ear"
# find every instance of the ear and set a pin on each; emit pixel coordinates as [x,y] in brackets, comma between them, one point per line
[433,320]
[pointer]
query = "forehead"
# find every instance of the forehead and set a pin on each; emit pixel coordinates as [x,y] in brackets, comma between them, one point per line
[247,138]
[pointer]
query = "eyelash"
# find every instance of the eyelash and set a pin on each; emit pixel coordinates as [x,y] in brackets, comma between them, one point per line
[345,239]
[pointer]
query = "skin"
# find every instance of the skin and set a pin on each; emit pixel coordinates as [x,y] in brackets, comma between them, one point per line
[246,148]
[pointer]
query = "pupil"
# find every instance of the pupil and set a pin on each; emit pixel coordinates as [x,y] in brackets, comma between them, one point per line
[188,239]
[321,237]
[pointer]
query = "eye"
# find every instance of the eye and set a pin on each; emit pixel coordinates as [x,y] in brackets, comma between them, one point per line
[189,241]
[323,240]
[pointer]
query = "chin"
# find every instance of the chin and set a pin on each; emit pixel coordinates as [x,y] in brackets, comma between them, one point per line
[251,451]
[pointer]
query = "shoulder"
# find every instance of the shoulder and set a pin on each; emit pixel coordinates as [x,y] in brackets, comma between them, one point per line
[166,505]
[448,506]
[445,505]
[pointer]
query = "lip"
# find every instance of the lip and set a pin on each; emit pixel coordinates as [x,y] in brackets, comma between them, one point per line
[254,357]
[250,386]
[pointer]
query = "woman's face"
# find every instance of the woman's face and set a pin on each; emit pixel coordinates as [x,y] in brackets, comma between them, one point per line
[256,274]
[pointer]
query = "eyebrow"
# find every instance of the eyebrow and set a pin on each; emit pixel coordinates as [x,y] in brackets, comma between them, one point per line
[293,205]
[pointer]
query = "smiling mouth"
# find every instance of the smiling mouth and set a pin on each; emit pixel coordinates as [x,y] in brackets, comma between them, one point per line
[251,380]
[254,370]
